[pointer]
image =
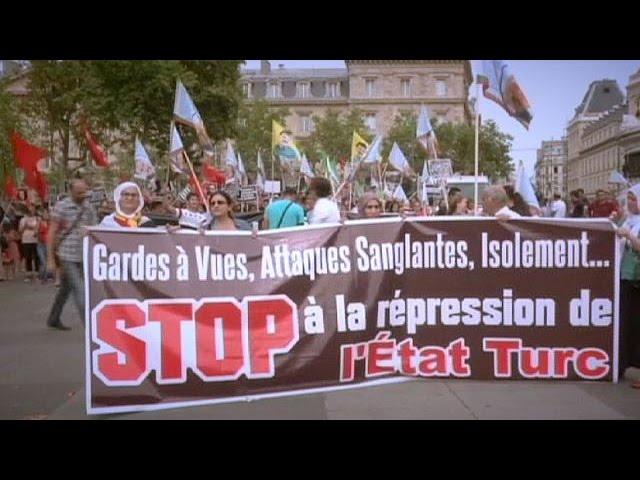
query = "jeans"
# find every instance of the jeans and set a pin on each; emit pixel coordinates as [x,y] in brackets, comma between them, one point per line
[71,282]
[42,256]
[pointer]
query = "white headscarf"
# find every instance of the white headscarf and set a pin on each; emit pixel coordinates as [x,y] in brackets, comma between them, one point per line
[116,198]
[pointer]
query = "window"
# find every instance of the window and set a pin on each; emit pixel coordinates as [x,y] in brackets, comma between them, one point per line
[303,90]
[405,87]
[370,121]
[274,90]
[246,90]
[333,89]
[441,88]
[306,124]
[555,170]
[369,84]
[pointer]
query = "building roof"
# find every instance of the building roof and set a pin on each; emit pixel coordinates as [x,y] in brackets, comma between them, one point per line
[601,96]
[614,114]
[297,73]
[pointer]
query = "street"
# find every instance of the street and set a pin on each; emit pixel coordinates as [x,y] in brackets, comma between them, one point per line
[42,377]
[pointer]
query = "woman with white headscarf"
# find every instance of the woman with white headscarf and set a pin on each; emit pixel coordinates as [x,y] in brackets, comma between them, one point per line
[129,202]
[630,285]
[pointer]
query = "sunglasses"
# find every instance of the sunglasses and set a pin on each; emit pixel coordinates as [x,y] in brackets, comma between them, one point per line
[217,202]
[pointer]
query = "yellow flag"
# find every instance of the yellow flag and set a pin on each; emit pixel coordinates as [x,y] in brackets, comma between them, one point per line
[275,133]
[358,146]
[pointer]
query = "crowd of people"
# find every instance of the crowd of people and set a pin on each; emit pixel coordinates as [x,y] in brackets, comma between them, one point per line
[47,243]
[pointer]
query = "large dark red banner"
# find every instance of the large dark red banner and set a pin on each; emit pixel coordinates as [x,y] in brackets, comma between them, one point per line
[190,319]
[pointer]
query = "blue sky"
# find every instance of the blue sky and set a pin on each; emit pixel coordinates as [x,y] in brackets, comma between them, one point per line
[554,89]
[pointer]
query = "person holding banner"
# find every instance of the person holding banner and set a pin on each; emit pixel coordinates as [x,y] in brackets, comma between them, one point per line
[221,207]
[630,285]
[128,203]
[191,217]
[324,210]
[495,203]
[370,206]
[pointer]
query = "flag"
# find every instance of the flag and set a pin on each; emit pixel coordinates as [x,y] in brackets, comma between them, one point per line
[373,154]
[10,188]
[524,188]
[176,150]
[230,157]
[424,132]
[357,143]
[144,168]
[27,157]
[425,171]
[399,161]
[500,86]
[213,175]
[617,177]
[98,153]
[332,173]
[399,194]
[185,111]
[241,171]
[283,146]
[276,130]
[260,172]
[305,168]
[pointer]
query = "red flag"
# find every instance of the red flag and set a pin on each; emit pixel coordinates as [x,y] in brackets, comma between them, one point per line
[27,157]
[10,187]
[213,175]
[97,152]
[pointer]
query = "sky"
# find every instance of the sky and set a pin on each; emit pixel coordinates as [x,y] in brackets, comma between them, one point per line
[554,89]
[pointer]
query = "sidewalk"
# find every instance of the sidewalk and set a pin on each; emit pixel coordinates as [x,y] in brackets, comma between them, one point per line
[42,372]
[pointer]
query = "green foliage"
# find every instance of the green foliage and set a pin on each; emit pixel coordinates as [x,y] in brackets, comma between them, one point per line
[333,135]
[9,121]
[457,142]
[254,132]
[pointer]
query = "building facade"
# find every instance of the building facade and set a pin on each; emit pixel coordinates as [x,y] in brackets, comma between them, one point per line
[551,168]
[381,89]
[604,136]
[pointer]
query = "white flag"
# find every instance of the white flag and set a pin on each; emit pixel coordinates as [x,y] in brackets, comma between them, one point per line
[524,187]
[305,168]
[242,173]
[425,133]
[184,110]
[230,157]
[373,155]
[144,168]
[425,171]
[617,177]
[399,194]
[399,161]
[175,151]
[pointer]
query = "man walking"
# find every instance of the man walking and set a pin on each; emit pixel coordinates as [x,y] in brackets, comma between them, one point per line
[68,220]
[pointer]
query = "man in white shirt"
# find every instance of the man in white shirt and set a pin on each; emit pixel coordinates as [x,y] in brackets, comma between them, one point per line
[495,203]
[558,207]
[324,209]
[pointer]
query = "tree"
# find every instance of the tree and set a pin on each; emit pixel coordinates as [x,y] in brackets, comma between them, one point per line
[333,134]
[457,142]
[122,99]
[254,132]
[9,121]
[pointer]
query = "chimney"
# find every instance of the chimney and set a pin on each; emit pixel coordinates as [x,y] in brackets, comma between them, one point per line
[265,67]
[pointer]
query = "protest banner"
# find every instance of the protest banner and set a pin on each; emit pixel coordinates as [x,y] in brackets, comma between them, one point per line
[190,319]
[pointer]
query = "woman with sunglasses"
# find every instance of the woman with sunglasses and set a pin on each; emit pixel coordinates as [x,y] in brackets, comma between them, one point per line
[370,206]
[221,208]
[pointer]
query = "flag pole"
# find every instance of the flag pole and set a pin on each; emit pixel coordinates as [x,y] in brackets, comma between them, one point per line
[476,159]
[193,173]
